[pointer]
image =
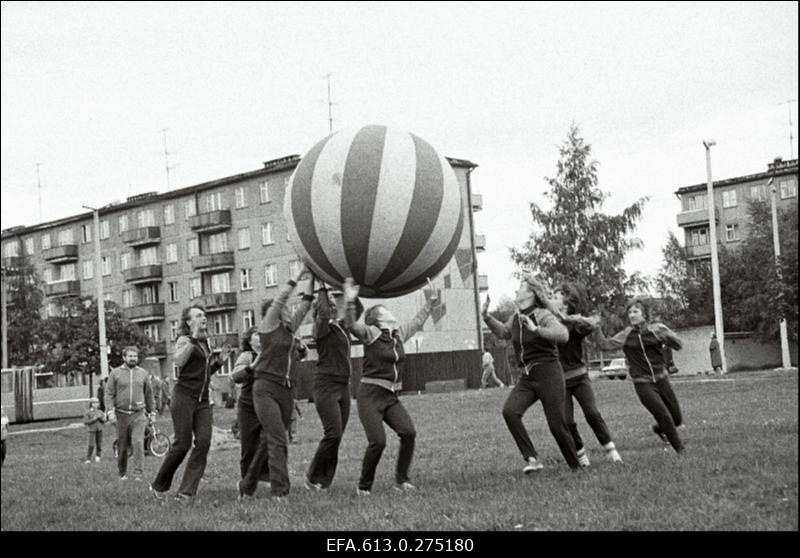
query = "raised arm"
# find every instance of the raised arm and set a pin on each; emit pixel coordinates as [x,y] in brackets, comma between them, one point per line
[183,350]
[323,314]
[614,343]
[301,308]
[408,329]
[551,328]
[272,319]
[241,369]
[666,336]
[501,330]
[364,333]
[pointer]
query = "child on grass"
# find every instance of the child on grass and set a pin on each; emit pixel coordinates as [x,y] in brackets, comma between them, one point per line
[94,420]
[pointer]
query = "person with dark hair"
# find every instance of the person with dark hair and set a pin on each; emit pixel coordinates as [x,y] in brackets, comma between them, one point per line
[572,306]
[272,386]
[249,427]
[94,419]
[641,342]
[128,397]
[377,399]
[331,387]
[191,410]
[535,333]
[716,355]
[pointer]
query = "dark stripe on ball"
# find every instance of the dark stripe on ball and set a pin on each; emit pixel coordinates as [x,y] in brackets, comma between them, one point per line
[423,214]
[301,208]
[362,171]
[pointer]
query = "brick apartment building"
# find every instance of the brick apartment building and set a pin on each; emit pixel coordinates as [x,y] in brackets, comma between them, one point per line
[223,243]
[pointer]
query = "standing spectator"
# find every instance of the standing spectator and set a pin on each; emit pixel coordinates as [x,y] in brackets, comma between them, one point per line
[488,370]
[101,394]
[155,384]
[94,419]
[128,397]
[716,355]
[3,433]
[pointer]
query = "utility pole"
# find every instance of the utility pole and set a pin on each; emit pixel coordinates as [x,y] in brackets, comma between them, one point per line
[786,359]
[791,140]
[712,230]
[4,294]
[101,306]
[39,189]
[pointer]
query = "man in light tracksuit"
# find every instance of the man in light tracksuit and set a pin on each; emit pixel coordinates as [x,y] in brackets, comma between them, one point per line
[128,396]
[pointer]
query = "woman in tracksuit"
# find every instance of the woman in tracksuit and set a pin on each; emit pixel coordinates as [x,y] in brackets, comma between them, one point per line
[535,332]
[272,387]
[190,409]
[331,388]
[572,305]
[249,427]
[377,399]
[641,342]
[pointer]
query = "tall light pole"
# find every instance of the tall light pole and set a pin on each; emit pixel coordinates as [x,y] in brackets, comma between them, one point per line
[4,294]
[712,230]
[101,306]
[786,359]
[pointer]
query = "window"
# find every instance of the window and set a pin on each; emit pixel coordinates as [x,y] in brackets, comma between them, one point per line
[125,261]
[105,229]
[12,250]
[108,297]
[244,280]
[127,298]
[47,275]
[788,189]
[244,238]
[146,218]
[45,242]
[270,275]
[213,201]
[696,202]
[86,233]
[225,369]
[221,283]
[195,287]
[757,192]
[173,291]
[68,272]
[123,223]
[263,188]
[88,270]
[294,268]
[190,208]
[149,294]
[729,198]
[148,256]
[151,332]
[218,243]
[699,237]
[169,214]
[731,232]
[65,237]
[105,262]
[172,253]
[241,197]
[53,310]
[222,323]
[266,234]
[29,246]
[192,247]
[173,329]
[248,319]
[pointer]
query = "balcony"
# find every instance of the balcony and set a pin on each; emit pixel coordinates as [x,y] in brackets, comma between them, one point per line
[63,288]
[696,217]
[11,263]
[158,349]
[142,274]
[219,339]
[483,283]
[145,312]
[702,251]
[143,236]
[477,202]
[480,243]
[218,302]
[221,261]
[212,221]
[61,254]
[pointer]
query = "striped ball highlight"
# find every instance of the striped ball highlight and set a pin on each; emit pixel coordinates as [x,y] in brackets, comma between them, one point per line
[377,204]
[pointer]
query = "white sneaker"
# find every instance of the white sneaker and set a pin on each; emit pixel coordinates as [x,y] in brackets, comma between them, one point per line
[614,456]
[313,486]
[97,459]
[404,487]
[532,465]
[583,459]
[87,461]
[360,492]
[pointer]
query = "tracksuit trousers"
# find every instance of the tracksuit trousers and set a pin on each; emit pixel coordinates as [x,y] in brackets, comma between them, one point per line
[332,400]
[581,389]
[660,400]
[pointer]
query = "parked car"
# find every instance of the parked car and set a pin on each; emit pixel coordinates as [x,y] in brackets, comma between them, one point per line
[617,368]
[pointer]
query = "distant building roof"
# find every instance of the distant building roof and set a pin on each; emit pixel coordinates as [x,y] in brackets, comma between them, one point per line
[781,167]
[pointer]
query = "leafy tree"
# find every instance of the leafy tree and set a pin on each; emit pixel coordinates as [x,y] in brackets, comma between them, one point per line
[73,337]
[25,296]
[574,241]
[686,300]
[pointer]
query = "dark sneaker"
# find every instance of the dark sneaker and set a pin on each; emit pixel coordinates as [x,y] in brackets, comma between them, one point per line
[160,496]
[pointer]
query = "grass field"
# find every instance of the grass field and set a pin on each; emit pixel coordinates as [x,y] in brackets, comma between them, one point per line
[739,472]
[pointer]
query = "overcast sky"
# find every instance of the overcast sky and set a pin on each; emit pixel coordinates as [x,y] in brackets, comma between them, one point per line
[88,87]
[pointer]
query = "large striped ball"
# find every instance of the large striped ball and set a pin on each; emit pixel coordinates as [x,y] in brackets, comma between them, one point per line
[376,204]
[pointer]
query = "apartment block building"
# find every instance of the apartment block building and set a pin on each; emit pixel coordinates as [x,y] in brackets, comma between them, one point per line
[731,197]
[223,243]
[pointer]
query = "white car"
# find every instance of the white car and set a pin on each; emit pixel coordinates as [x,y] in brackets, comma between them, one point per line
[617,368]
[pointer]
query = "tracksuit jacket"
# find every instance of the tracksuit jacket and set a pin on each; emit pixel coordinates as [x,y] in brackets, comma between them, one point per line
[128,390]
[642,348]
